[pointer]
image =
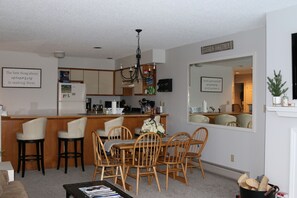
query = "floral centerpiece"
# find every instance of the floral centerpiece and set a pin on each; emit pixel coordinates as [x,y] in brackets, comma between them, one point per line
[150,125]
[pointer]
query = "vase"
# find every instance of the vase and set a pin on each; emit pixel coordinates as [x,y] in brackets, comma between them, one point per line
[276,100]
[285,101]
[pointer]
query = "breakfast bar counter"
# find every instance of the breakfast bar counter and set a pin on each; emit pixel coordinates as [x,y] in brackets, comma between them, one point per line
[13,124]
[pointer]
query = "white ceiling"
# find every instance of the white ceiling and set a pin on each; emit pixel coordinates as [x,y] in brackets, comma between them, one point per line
[76,26]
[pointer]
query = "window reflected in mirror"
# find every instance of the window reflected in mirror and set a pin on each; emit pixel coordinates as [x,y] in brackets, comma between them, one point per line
[221,92]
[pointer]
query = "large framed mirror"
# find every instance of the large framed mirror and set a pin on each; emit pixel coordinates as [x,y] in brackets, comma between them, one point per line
[221,92]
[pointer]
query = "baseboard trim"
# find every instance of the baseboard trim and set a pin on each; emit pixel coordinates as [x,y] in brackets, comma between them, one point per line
[222,170]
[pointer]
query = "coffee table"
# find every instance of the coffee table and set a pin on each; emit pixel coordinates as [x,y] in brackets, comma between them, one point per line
[73,189]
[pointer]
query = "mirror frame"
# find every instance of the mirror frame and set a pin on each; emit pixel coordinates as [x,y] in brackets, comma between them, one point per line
[253,92]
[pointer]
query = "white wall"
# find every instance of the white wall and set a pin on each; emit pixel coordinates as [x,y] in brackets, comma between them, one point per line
[248,147]
[20,101]
[89,63]
[280,25]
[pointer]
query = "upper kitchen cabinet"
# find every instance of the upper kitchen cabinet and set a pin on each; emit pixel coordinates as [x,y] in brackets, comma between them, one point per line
[146,86]
[77,75]
[98,82]
[70,75]
[118,86]
[105,83]
[91,79]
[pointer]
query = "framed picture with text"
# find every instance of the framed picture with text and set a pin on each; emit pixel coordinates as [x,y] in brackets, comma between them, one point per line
[211,84]
[13,77]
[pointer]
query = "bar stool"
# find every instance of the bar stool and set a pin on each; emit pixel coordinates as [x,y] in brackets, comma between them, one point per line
[108,125]
[33,133]
[75,133]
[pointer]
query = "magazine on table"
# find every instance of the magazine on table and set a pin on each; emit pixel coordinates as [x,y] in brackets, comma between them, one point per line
[99,191]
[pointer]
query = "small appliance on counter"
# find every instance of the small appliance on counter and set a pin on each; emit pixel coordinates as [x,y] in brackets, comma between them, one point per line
[97,107]
[107,104]
[146,105]
[126,107]
[89,104]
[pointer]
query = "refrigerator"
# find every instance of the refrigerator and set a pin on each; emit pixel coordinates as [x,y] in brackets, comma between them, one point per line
[71,98]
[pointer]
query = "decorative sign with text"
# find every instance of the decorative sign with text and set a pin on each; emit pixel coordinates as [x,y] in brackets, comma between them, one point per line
[13,77]
[211,84]
[217,47]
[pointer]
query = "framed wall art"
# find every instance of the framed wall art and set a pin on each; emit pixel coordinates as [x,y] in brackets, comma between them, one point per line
[211,84]
[13,77]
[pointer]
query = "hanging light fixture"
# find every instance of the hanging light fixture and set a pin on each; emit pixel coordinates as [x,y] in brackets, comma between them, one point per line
[135,73]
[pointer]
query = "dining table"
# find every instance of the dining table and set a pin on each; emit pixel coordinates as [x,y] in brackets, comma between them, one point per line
[127,145]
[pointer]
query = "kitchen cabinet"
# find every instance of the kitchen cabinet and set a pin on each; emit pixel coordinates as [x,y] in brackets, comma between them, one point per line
[146,86]
[118,87]
[76,75]
[138,87]
[108,82]
[98,82]
[124,87]
[105,82]
[91,79]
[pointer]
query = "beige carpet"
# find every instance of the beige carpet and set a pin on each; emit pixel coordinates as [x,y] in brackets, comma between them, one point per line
[51,185]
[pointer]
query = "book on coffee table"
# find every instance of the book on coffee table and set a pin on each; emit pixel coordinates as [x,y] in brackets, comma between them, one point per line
[99,191]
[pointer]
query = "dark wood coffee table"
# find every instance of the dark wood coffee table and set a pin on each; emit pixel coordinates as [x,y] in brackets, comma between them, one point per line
[73,189]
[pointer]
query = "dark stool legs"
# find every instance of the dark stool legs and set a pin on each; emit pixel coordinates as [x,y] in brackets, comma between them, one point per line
[82,154]
[23,157]
[67,154]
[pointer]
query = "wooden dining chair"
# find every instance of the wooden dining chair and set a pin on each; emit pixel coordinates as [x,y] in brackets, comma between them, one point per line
[195,150]
[175,151]
[105,165]
[119,132]
[146,150]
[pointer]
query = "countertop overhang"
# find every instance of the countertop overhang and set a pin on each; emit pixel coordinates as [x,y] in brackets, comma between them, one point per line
[90,115]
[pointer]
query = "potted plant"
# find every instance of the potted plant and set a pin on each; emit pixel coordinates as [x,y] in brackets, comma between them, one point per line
[276,87]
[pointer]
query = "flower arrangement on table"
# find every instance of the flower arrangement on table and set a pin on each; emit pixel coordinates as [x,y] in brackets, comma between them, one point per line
[150,125]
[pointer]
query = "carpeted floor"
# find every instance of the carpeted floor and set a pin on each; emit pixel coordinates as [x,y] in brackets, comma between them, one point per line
[51,185]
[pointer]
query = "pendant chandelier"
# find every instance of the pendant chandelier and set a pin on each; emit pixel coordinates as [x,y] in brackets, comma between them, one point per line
[135,73]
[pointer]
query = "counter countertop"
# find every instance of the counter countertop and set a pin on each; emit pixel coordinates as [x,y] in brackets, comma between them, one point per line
[77,115]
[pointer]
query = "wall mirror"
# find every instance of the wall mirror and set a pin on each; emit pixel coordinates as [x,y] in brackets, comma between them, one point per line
[221,92]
